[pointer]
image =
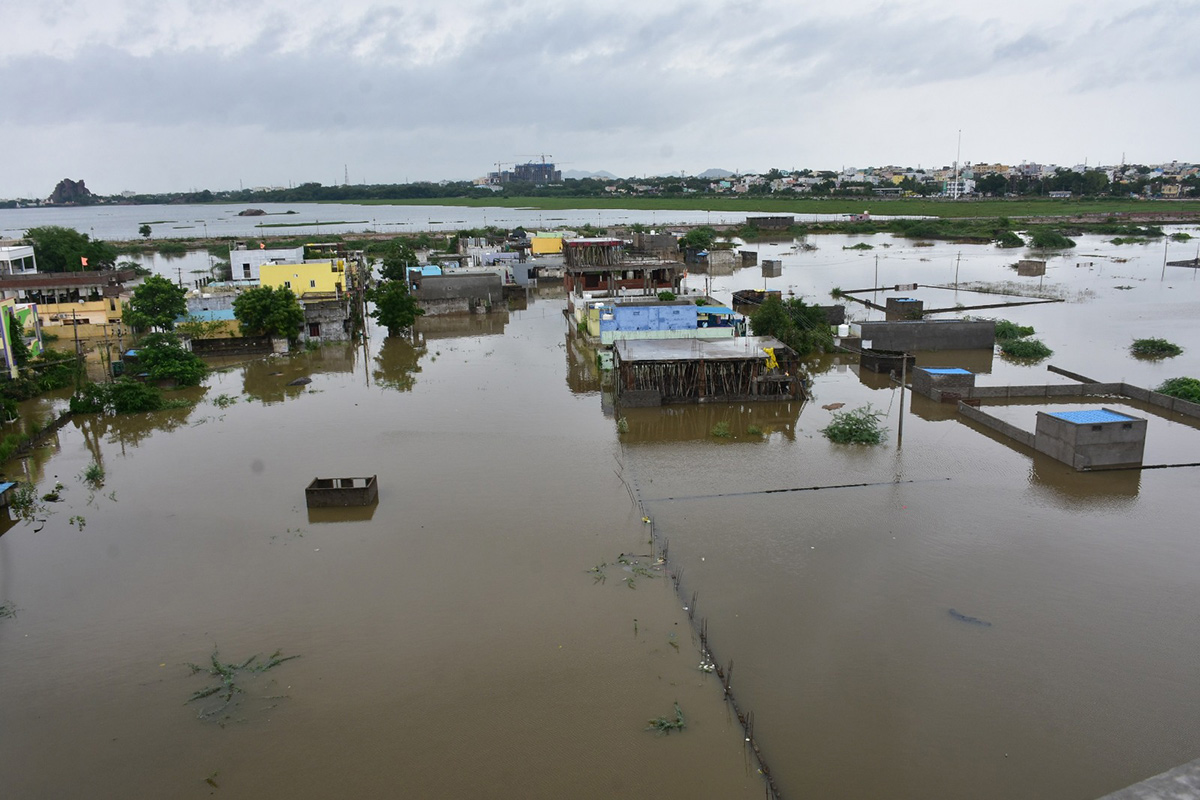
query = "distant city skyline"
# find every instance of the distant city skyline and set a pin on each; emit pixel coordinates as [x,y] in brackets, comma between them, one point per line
[176,96]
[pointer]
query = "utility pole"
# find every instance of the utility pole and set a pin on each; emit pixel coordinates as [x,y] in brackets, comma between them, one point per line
[956,262]
[1166,242]
[903,379]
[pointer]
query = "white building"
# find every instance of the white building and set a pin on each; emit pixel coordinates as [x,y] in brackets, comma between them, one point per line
[244,263]
[17,261]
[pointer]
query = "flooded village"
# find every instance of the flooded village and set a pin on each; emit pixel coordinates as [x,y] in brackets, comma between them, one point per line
[598,543]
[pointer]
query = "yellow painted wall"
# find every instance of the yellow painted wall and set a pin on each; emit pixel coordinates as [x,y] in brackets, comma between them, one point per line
[92,312]
[545,245]
[315,276]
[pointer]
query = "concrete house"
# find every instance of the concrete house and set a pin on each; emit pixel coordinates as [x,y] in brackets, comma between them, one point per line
[246,264]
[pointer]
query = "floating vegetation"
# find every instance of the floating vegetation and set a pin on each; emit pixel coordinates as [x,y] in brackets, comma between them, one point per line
[664,725]
[1154,348]
[599,576]
[54,495]
[961,617]
[7,611]
[860,246]
[78,521]
[93,475]
[230,677]
[857,426]
[754,430]
[224,401]
[1026,349]
[1183,388]
[24,502]
[622,425]
[721,430]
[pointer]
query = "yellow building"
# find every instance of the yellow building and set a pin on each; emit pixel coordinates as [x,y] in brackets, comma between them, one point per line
[311,277]
[546,244]
[85,312]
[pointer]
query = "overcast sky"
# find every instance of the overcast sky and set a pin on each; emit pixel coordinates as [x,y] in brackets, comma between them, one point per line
[162,95]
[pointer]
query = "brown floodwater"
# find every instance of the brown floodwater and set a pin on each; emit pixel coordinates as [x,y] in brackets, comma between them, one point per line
[453,642]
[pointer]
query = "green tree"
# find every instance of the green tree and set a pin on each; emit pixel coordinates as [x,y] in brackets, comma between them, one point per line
[20,350]
[398,256]
[164,358]
[144,230]
[267,311]
[156,303]
[395,309]
[795,323]
[699,238]
[60,249]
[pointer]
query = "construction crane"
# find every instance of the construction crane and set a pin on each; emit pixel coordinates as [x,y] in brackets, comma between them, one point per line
[542,156]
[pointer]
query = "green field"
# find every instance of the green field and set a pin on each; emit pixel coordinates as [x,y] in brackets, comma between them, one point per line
[899,207]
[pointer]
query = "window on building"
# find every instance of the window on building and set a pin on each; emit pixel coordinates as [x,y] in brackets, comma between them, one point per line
[287,284]
[314,330]
[312,284]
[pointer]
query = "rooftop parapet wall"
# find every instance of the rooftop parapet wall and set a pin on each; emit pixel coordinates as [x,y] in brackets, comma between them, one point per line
[929,334]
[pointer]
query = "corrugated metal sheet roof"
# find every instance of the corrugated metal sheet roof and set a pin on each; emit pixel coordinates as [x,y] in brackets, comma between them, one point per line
[694,349]
[1091,416]
[946,370]
[720,310]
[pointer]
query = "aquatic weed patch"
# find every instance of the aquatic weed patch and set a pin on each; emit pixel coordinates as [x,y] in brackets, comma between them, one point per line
[1154,348]
[231,682]
[664,725]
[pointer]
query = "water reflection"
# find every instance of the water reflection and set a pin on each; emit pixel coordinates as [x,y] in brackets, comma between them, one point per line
[267,380]
[1066,487]
[321,516]
[584,375]
[397,363]
[130,430]
[456,326]
[680,423]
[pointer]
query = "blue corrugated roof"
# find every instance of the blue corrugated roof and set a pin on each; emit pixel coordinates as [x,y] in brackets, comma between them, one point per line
[946,370]
[219,315]
[1091,416]
[721,310]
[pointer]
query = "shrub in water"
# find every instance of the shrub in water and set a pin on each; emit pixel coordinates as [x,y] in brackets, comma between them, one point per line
[1006,330]
[858,426]
[1183,388]
[1032,349]
[1154,348]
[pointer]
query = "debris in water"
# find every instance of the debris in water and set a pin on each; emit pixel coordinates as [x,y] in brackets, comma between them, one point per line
[961,617]
[664,725]
[300,382]
[833,406]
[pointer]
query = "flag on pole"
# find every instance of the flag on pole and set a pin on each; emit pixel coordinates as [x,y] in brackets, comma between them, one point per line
[83,260]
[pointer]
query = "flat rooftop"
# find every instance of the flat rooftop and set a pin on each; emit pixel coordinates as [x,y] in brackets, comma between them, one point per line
[1091,416]
[735,349]
[945,370]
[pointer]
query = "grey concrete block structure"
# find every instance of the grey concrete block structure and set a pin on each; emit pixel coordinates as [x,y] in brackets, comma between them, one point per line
[904,308]
[1091,438]
[955,380]
[929,334]
[772,268]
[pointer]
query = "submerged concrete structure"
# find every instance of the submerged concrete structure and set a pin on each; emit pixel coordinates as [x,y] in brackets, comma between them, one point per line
[1091,438]
[951,380]
[927,334]
[654,372]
